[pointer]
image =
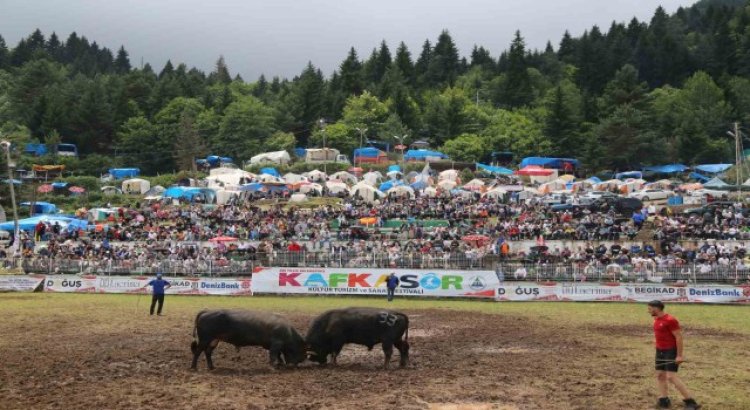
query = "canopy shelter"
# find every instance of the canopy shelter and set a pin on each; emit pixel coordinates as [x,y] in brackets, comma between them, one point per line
[270,171]
[41,208]
[666,169]
[28,224]
[494,170]
[423,155]
[713,168]
[191,194]
[716,183]
[566,164]
[122,173]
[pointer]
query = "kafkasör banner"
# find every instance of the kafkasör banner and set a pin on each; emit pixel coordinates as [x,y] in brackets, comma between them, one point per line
[343,281]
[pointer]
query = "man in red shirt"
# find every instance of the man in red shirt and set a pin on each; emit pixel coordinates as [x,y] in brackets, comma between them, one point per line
[669,351]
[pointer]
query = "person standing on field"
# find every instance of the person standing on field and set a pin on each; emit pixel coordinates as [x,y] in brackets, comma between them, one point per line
[158,287]
[669,355]
[391,283]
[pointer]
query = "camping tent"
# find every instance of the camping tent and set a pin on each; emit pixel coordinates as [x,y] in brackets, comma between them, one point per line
[336,187]
[344,176]
[191,194]
[557,163]
[495,193]
[307,188]
[316,175]
[401,190]
[494,170]
[667,169]
[275,157]
[367,192]
[41,208]
[29,224]
[423,155]
[270,171]
[474,185]
[715,183]
[122,173]
[448,174]
[713,168]
[292,178]
[135,186]
[372,178]
[369,155]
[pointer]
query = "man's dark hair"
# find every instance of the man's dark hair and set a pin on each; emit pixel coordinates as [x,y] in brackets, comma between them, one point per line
[657,304]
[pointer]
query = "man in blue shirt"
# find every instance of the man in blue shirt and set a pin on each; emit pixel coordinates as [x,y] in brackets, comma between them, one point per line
[391,283]
[158,286]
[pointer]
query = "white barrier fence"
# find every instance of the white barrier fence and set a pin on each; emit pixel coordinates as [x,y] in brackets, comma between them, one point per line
[325,281]
[622,293]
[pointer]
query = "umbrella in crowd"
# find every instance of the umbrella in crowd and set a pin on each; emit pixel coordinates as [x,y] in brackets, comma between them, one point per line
[45,189]
[77,190]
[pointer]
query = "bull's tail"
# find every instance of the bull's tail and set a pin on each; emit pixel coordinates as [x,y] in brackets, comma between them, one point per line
[195,326]
[406,334]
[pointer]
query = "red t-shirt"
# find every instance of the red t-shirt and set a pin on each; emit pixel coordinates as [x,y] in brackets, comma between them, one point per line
[663,328]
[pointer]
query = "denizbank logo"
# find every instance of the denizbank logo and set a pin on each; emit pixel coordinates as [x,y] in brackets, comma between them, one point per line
[429,281]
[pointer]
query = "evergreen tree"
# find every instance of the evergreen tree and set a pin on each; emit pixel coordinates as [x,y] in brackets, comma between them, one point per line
[444,66]
[122,62]
[167,70]
[221,73]
[351,74]
[404,63]
[4,54]
[422,64]
[516,90]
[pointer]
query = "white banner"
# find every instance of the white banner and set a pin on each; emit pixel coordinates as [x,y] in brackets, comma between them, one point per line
[210,286]
[20,283]
[71,283]
[526,292]
[647,292]
[116,284]
[345,281]
[719,294]
[591,293]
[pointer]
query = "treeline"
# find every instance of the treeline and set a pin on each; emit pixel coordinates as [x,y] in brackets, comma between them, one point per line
[638,93]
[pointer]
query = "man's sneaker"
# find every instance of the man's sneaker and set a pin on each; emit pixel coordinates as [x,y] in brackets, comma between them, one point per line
[664,403]
[690,404]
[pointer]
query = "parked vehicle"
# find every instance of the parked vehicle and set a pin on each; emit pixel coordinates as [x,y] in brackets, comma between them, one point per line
[651,194]
[713,207]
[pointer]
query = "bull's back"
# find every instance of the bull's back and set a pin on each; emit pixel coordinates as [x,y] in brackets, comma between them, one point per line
[242,327]
[367,325]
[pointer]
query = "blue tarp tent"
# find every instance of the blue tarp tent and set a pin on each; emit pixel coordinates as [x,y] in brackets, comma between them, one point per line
[713,168]
[29,224]
[698,177]
[41,208]
[215,160]
[190,193]
[368,152]
[394,168]
[422,154]
[255,186]
[629,174]
[59,185]
[595,180]
[259,187]
[389,184]
[419,185]
[122,173]
[667,169]
[494,170]
[558,163]
[300,152]
[270,171]
[35,149]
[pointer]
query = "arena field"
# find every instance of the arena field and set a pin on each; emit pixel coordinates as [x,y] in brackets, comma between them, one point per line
[104,352]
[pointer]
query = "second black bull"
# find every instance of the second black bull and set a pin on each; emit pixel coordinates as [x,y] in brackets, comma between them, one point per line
[364,326]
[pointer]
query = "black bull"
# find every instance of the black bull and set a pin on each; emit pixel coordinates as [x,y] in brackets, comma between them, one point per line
[364,326]
[246,328]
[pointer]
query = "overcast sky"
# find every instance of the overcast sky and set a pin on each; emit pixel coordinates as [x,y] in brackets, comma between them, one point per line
[279,37]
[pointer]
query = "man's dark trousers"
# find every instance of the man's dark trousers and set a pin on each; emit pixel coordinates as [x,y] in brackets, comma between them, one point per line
[154,299]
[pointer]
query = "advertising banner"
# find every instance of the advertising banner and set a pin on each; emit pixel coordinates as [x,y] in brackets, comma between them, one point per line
[719,294]
[527,292]
[648,292]
[590,293]
[115,284]
[71,283]
[210,286]
[20,283]
[353,281]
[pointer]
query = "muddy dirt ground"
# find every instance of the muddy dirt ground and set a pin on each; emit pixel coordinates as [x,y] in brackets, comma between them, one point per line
[460,360]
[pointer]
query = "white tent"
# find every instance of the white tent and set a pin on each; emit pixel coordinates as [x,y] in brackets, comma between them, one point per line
[372,177]
[135,186]
[336,187]
[316,175]
[496,193]
[223,196]
[462,193]
[715,182]
[344,176]
[155,191]
[474,185]
[228,176]
[447,184]
[430,192]
[367,192]
[292,178]
[402,190]
[276,157]
[266,179]
[298,198]
[110,190]
[448,174]
[307,188]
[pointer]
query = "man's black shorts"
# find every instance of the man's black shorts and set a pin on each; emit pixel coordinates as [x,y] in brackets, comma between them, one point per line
[665,360]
